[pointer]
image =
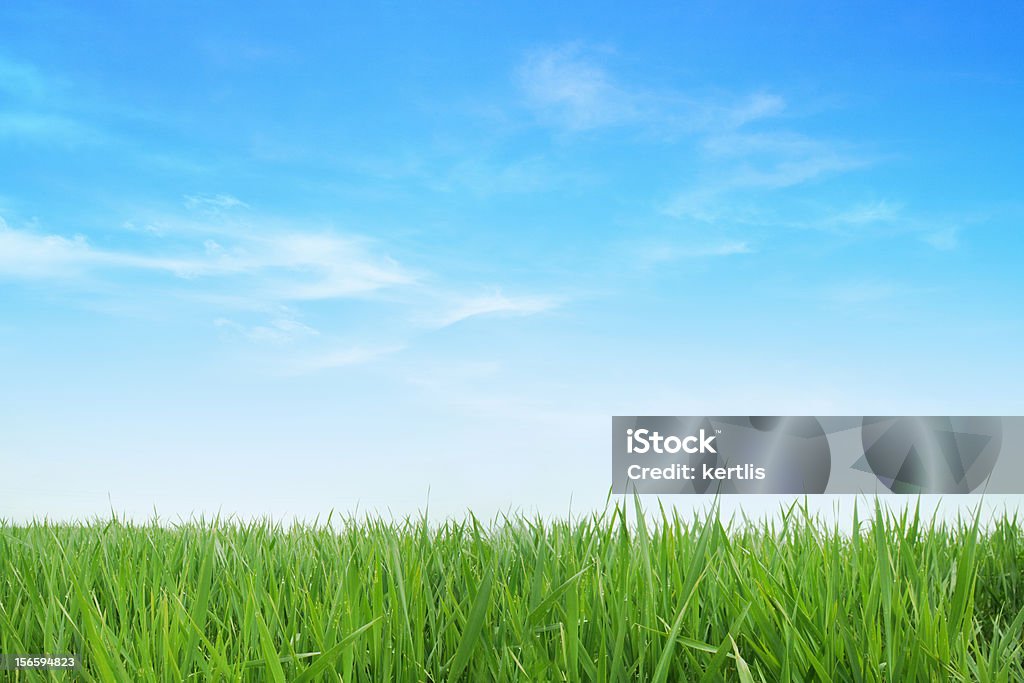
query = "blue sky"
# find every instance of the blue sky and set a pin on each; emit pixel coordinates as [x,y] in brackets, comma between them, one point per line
[263,260]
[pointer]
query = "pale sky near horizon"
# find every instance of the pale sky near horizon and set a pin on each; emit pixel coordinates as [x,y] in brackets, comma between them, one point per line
[269,262]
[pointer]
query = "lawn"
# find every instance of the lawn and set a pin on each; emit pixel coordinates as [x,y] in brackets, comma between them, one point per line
[597,598]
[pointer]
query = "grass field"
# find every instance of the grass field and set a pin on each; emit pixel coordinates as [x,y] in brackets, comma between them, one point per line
[594,599]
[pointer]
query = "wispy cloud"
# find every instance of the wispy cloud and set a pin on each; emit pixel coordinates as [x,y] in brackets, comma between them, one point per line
[311,266]
[46,127]
[791,172]
[742,167]
[568,86]
[863,292]
[742,160]
[757,106]
[288,266]
[891,219]
[494,304]
[260,284]
[276,331]
[731,144]
[666,251]
[944,239]
[488,177]
[570,90]
[213,201]
[750,164]
[342,358]
[37,108]
[27,255]
[868,213]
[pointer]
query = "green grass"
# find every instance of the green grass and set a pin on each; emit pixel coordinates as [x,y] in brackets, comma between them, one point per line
[601,598]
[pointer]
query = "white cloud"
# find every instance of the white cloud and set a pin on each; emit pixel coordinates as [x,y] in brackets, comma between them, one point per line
[343,357]
[567,86]
[254,283]
[791,172]
[27,255]
[290,266]
[276,331]
[668,251]
[495,304]
[868,291]
[732,144]
[889,219]
[214,202]
[758,106]
[945,239]
[324,266]
[523,176]
[146,228]
[868,214]
[46,127]
[38,108]
[762,165]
